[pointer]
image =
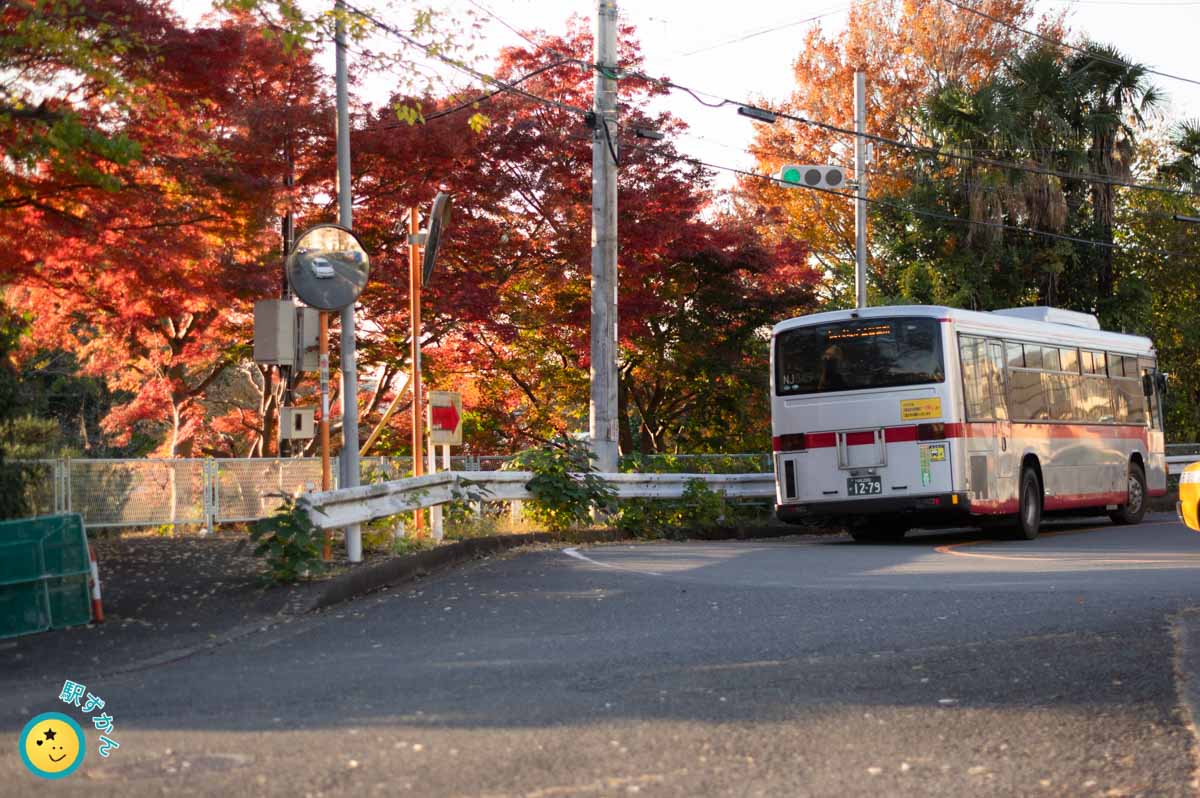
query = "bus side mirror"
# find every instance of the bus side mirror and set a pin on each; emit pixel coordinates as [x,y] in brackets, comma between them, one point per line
[1162,379]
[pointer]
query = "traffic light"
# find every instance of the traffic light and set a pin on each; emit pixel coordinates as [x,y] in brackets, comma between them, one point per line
[832,177]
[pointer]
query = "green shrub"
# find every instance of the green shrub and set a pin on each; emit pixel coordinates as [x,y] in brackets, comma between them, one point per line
[289,542]
[700,506]
[565,484]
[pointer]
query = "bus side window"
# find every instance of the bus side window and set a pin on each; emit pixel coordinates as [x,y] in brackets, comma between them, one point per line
[1016,355]
[1148,368]
[1070,360]
[999,395]
[976,392]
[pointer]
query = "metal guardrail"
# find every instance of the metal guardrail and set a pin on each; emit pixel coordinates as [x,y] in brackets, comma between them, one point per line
[155,492]
[338,508]
[151,492]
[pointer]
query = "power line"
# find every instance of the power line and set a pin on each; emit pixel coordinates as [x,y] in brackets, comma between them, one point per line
[503,22]
[745,173]
[917,175]
[762,32]
[919,211]
[1057,43]
[936,152]
[476,100]
[482,77]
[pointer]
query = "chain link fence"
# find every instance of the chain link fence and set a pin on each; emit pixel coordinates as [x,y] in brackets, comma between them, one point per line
[138,492]
[148,492]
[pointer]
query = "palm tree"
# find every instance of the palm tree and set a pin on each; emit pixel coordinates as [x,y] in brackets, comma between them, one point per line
[1117,98]
[1185,169]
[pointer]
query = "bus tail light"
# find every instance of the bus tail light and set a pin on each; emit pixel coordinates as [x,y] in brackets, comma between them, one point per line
[931,432]
[795,442]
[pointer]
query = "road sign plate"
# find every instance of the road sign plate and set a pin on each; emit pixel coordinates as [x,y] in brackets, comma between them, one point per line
[445,418]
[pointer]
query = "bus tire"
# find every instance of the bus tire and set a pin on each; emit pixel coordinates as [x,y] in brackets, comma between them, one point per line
[1029,505]
[1134,508]
[879,531]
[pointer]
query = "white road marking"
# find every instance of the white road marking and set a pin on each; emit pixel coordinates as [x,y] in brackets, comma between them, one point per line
[574,552]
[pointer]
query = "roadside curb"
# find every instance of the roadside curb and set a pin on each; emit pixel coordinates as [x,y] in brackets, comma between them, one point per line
[395,571]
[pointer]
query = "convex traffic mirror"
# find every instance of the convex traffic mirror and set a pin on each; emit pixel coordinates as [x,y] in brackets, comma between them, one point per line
[328,267]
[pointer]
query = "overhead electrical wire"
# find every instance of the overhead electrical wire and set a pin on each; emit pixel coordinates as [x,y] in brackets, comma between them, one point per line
[503,22]
[936,152]
[917,175]
[1050,40]
[921,211]
[432,52]
[476,100]
[762,32]
[720,102]
[488,79]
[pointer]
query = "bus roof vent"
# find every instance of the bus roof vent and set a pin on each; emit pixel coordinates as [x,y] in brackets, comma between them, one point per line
[1071,318]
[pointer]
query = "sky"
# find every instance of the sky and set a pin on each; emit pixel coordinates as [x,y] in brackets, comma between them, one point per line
[745,50]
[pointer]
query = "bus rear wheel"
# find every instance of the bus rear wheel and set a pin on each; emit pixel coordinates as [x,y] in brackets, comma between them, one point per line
[1029,506]
[1134,508]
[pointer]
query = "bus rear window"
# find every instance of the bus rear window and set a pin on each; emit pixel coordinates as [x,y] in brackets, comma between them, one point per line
[858,354]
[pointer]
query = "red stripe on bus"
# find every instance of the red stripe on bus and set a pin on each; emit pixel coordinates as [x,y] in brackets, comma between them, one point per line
[859,438]
[1075,501]
[991,506]
[822,440]
[900,434]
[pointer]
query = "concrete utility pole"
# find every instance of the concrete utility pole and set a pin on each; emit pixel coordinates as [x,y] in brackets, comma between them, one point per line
[860,177]
[603,405]
[348,462]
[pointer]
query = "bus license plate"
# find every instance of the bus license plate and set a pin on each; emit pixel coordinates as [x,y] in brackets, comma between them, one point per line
[864,486]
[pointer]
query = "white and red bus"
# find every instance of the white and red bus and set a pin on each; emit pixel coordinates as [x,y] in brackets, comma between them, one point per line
[892,417]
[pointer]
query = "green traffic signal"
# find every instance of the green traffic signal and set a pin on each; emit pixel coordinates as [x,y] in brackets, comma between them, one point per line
[790,175]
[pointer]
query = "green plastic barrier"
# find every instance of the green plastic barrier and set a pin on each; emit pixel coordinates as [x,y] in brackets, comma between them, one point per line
[34,548]
[44,569]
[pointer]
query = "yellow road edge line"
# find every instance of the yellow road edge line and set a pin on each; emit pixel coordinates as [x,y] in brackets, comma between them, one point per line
[949,548]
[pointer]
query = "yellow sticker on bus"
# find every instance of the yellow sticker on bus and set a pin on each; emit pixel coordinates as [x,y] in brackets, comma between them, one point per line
[914,409]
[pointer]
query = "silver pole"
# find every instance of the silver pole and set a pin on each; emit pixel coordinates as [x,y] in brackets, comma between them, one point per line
[348,462]
[860,177]
[603,405]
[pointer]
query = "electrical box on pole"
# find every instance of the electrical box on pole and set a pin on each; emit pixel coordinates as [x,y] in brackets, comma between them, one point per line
[275,332]
[297,423]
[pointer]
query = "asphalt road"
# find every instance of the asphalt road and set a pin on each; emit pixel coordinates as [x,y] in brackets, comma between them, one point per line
[328,292]
[947,665]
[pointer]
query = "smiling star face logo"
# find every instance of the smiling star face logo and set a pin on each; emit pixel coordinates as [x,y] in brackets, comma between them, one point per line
[52,745]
